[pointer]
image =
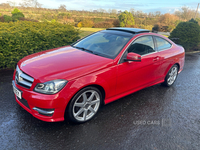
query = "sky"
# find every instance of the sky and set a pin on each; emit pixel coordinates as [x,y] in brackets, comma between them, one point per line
[167,6]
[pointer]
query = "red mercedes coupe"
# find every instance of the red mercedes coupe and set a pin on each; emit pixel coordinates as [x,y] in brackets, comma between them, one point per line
[73,81]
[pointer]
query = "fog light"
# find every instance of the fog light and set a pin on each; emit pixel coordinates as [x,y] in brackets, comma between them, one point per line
[46,112]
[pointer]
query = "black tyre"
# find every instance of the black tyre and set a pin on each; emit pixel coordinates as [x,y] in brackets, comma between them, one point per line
[171,76]
[84,105]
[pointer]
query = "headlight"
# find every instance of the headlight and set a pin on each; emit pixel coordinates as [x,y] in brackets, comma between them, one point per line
[50,87]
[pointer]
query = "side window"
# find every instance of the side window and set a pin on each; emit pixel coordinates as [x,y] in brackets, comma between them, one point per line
[162,43]
[142,45]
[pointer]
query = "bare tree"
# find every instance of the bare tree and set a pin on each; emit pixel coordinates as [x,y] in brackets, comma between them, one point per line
[157,14]
[101,10]
[37,4]
[168,19]
[24,4]
[187,13]
[109,11]
[150,15]
[140,14]
[62,7]
[6,5]
[114,11]
[178,14]
[30,3]
[11,3]
[132,11]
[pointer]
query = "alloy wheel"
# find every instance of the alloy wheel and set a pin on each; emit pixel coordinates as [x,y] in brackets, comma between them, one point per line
[86,105]
[172,75]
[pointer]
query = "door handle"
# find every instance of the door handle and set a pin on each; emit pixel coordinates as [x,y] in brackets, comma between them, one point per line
[156,58]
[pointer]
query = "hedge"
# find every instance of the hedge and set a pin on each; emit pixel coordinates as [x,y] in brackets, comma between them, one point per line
[188,34]
[22,38]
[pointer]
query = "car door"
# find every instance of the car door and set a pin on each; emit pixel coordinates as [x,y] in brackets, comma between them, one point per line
[132,75]
[165,51]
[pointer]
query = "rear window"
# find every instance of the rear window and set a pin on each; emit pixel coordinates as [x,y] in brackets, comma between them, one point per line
[162,44]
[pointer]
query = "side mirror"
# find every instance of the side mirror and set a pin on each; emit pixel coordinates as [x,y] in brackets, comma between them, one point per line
[133,57]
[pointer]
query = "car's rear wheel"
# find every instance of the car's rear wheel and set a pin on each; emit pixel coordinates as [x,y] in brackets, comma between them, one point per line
[84,105]
[171,76]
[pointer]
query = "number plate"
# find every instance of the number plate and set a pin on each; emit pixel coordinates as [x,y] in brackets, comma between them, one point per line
[17,92]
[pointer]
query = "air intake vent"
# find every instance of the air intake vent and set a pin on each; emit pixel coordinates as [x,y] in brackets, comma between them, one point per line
[23,79]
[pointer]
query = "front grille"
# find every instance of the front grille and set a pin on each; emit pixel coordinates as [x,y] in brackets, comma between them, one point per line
[23,79]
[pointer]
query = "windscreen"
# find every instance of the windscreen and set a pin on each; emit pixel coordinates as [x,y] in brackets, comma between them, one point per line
[105,44]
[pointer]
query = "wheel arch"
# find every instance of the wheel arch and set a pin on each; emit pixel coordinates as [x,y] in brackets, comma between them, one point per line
[101,89]
[170,66]
[177,65]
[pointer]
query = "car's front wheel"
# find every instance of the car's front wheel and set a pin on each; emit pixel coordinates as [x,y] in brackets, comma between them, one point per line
[171,76]
[84,105]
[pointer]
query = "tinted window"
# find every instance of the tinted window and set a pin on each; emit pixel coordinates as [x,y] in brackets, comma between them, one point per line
[162,44]
[104,43]
[142,45]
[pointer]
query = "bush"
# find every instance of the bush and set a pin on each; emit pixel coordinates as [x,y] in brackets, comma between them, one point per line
[53,21]
[148,27]
[160,27]
[87,23]
[116,23]
[79,25]
[7,18]
[2,19]
[27,19]
[188,34]
[17,16]
[194,21]
[22,38]
[170,28]
[64,15]
[97,20]
[126,19]
[15,11]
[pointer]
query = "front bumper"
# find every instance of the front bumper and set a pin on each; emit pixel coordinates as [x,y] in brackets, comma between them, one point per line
[49,108]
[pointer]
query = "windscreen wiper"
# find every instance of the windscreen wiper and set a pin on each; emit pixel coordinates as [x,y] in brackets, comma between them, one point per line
[83,49]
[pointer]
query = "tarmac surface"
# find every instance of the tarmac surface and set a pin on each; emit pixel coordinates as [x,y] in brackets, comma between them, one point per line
[155,118]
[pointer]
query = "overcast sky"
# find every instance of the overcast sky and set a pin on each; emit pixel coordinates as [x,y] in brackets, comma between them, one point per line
[143,5]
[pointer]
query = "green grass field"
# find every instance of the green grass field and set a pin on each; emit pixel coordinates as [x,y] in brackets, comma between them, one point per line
[86,31]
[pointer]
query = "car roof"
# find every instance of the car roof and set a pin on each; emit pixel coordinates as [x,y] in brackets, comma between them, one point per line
[130,30]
